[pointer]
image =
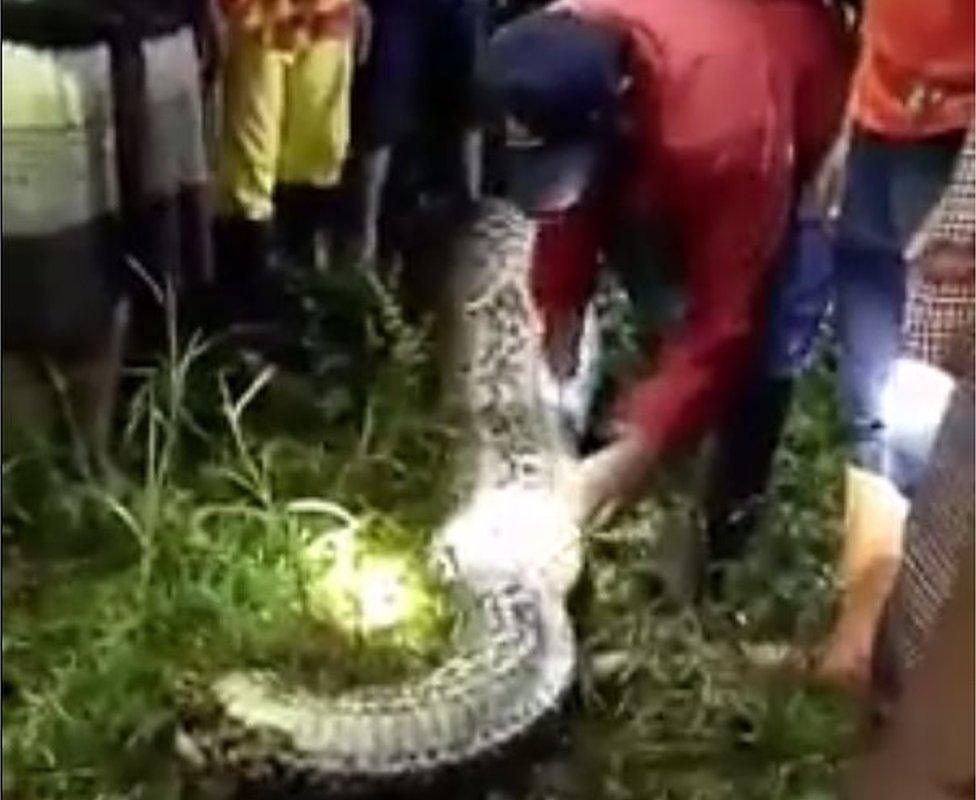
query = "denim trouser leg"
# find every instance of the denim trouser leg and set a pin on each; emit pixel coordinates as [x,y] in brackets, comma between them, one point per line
[890,187]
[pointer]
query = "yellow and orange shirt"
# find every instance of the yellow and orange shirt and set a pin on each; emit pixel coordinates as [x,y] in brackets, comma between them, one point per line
[288,24]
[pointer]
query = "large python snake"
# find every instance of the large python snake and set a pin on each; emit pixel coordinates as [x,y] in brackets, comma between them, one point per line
[512,550]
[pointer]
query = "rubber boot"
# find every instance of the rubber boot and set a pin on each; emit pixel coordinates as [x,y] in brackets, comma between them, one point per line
[253,301]
[248,291]
[871,553]
[242,249]
[300,211]
[738,476]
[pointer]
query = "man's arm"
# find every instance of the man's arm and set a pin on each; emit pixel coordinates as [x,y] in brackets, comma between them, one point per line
[702,360]
[729,245]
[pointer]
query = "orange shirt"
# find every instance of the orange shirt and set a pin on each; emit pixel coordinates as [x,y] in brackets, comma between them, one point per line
[287,24]
[915,74]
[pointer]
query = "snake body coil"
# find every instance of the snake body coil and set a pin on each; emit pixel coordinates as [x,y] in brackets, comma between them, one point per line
[514,553]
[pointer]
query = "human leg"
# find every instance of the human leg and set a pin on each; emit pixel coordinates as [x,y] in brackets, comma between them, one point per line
[385,101]
[472,162]
[254,102]
[372,173]
[746,444]
[247,159]
[175,225]
[315,132]
[459,34]
[315,142]
[889,189]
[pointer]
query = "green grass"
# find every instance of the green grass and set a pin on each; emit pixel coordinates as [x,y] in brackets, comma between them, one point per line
[191,563]
[675,703]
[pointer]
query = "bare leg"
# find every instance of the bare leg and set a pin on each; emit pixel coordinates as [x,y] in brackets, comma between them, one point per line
[871,553]
[94,384]
[472,147]
[374,169]
[28,412]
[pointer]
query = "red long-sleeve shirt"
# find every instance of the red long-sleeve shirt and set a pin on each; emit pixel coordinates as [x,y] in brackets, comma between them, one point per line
[734,102]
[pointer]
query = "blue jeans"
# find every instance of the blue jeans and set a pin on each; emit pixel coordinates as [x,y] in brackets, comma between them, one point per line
[890,186]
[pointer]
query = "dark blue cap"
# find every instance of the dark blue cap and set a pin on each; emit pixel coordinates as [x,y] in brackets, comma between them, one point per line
[556,80]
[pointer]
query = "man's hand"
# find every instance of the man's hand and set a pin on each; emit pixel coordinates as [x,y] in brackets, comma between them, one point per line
[611,479]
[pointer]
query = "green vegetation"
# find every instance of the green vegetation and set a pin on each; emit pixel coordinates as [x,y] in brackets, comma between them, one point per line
[195,559]
[683,703]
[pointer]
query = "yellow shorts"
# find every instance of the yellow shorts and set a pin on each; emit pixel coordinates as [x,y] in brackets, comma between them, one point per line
[286,119]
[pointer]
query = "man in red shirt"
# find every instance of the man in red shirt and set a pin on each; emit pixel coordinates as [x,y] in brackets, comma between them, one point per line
[684,126]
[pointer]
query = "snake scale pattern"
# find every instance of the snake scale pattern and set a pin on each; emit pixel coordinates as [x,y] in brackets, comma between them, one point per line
[512,550]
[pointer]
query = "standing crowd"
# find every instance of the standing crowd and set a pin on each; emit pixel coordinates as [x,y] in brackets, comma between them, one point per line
[766,161]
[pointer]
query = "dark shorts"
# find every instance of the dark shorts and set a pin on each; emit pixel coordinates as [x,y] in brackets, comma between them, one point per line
[421,68]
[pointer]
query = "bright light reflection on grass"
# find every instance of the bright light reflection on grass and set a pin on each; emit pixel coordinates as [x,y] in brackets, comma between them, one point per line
[363,588]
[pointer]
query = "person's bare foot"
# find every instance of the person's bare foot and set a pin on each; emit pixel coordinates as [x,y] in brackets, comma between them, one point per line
[838,665]
[845,662]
